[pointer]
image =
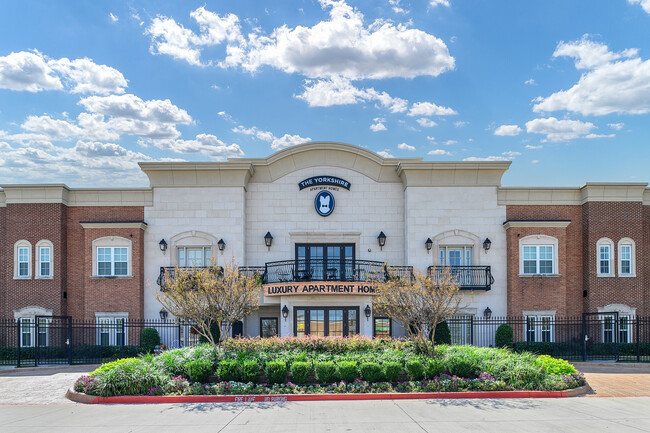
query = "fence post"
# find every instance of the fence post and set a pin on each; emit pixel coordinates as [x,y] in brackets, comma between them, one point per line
[179,333]
[584,338]
[124,335]
[35,343]
[638,343]
[18,342]
[69,340]
[471,330]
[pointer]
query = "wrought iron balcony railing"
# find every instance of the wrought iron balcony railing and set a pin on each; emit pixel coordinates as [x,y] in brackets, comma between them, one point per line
[467,277]
[286,271]
[168,273]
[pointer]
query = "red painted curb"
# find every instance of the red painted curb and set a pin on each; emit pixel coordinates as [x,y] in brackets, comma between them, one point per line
[146,399]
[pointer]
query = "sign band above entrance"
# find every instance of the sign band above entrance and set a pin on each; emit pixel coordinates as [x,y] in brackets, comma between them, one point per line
[324,180]
[318,288]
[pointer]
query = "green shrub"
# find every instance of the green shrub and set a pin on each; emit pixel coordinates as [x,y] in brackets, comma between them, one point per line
[461,366]
[415,369]
[434,368]
[442,334]
[371,372]
[555,366]
[228,371]
[392,371]
[132,377]
[110,365]
[276,371]
[503,336]
[149,339]
[250,371]
[347,371]
[199,370]
[325,371]
[300,371]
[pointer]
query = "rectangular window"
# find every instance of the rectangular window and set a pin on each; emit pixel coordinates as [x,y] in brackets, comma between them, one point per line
[326,321]
[119,332]
[112,261]
[112,331]
[530,329]
[608,329]
[460,329]
[42,332]
[45,254]
[268,327]
[624,329]
[104,332]
[546,329]
[538,259]
[626,259]
[194,256]
[603,258]
[23,262]
[26,332]
[352,322]
[382,327]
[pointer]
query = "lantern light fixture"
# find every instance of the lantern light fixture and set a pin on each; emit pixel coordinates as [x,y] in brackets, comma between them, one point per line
[429,245]
[221,245]
[163,314]
[367,311]
[268,240]
[381,239]
[487,243]
[285,312]
[163,245]
[487,313]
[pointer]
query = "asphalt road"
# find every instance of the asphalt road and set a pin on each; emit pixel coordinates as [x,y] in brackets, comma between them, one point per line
[520,415]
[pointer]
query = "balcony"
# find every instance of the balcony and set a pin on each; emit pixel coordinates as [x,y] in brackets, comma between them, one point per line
[287,271]
[467,277]
[169,272]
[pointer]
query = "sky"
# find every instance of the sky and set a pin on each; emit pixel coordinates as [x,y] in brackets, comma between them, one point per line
[560,88]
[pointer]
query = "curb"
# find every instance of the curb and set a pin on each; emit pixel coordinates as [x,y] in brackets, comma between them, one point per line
[280,398]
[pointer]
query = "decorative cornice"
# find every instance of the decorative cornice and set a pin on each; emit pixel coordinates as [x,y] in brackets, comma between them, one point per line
[114,225]
[589,192]
[62,194]
[536,223]
[441,173]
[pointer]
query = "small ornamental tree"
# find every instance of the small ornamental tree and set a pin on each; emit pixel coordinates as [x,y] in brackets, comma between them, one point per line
[210,296]
[419,303]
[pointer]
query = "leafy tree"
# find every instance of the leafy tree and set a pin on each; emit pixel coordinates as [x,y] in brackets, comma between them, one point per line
[419,303]
[210,296]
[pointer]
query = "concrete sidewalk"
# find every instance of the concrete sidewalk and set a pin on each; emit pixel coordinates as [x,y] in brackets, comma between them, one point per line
[39,385]
[616,379]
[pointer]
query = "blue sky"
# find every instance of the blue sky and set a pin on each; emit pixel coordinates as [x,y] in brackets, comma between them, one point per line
[561,88]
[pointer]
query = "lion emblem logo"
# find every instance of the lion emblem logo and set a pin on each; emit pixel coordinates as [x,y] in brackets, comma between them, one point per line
[324,203]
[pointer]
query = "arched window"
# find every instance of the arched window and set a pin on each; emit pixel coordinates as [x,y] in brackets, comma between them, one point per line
[538,255]
[605,257]
[626,258]
[22,260]
[193,248]
[112,257]
[44,259]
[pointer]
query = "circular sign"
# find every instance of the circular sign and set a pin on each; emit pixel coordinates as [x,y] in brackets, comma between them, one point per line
[324,203]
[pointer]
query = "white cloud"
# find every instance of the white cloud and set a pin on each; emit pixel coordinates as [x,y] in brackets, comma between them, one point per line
[450,142]
[426,123]
[131,107]
[559,130]
[461,123]
[434,3]
[530,81]
[429,109]
[54,129]
[28,72]
[534,161]
[533,147]
[645,4]
[510,154]
[508,130]
[206,144]
[340,46]
[487,158]
[438,152]
[254,132]
[378,125]
[34,72]
[613,83]
[616,126]
[288,140]
[404,146]
[431,138]
[600,135]
[385,153]
[395,5]
[113,17]
[96,148]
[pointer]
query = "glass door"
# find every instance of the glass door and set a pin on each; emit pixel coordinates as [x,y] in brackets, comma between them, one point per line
[326,321]
[324,262]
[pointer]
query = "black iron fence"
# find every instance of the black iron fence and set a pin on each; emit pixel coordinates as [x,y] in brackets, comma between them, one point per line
[44,340]
[467,277]
[61,340]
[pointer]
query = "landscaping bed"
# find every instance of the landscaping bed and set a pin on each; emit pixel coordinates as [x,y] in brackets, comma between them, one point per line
[327,366]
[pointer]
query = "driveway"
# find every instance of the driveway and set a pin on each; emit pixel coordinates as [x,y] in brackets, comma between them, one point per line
[42,385]
[616,379]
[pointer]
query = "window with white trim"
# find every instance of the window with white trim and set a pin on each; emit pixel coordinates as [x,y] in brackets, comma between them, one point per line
[26,329]
[112,330]
[22,259]
[538,255]
[623,330]
[539,329]
[44,252]
[112,257]
[605,256]
[194,256]
[626,258]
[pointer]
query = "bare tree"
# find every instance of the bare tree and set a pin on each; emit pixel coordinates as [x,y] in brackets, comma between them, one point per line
[418,303]
[210,296]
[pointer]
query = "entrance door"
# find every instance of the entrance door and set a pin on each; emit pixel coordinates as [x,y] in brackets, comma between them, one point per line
[52,340]
[324,262]
[601,337]
[326,321]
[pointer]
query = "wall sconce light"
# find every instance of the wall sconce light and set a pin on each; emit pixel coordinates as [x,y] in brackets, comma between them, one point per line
[487,243]
[268,240]
[428,244]
[163,245]
[285,312]
[487,313]
[221,245]
[367,311]
[163,314]
[382,240]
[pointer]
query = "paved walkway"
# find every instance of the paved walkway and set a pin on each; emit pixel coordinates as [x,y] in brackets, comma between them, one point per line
[42,385]
[616,380]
